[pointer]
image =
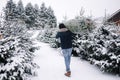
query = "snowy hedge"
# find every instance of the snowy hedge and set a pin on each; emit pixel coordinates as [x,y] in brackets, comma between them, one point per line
[48,36]
[16,59]
[101,48]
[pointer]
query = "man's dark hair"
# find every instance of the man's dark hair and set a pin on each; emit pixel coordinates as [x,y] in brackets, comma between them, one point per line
[61,25]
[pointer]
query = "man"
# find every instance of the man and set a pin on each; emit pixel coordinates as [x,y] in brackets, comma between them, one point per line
[66,44]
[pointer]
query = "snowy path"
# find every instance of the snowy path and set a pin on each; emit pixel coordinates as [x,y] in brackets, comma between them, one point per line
[52,67]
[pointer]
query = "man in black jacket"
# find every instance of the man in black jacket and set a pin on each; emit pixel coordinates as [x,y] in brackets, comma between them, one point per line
[65,36]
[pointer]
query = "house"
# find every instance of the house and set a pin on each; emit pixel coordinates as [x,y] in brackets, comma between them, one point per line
[115,18]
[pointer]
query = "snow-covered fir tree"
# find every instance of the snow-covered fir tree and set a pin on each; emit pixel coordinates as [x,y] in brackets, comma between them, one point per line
[16,58]
[43,15]
[37,17]
[14,28]
[10,10]
[20,10]
[30,15]
[47,17]
[16,52]
[47,35]
[0,22]
[81,25]
[33,16]
[100,48]
[52,22]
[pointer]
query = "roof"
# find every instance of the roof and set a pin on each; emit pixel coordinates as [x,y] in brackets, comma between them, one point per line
[113,15]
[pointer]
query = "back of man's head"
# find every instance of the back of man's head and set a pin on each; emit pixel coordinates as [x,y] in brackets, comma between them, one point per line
[61,25]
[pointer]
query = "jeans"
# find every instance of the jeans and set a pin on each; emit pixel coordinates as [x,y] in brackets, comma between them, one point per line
[67,57]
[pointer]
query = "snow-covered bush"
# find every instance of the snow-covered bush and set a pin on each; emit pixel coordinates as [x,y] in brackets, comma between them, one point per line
[48,36]
[14,28]
[100,48]
[16,52]
[16,59]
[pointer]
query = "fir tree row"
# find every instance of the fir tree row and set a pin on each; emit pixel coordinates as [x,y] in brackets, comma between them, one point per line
[32,15]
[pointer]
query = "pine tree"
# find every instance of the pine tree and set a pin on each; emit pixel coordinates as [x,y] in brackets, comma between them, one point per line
[16,58]
[43,15]
[36,10]
[30,15]
[10,10]
[14,28]
[37,18]
[0,20]
[51,18]
[101,48]
[20,10]
[16,52]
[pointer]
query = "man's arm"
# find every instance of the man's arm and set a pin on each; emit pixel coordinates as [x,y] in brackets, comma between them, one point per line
[58,35]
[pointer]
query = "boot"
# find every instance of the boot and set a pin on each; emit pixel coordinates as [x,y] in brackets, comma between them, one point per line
[68,74]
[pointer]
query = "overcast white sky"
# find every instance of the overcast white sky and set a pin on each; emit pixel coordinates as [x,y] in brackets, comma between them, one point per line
[71,8]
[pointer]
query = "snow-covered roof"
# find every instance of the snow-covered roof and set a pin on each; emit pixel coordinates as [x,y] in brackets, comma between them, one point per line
[115,13]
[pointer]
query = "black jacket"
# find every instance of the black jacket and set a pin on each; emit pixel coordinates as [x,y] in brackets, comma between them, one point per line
[65,38]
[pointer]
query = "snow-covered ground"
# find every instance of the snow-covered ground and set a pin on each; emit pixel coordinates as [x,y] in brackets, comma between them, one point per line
[52,66]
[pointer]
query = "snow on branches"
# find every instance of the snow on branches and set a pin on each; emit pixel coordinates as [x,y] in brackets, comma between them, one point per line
[100,48]
[16,59]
